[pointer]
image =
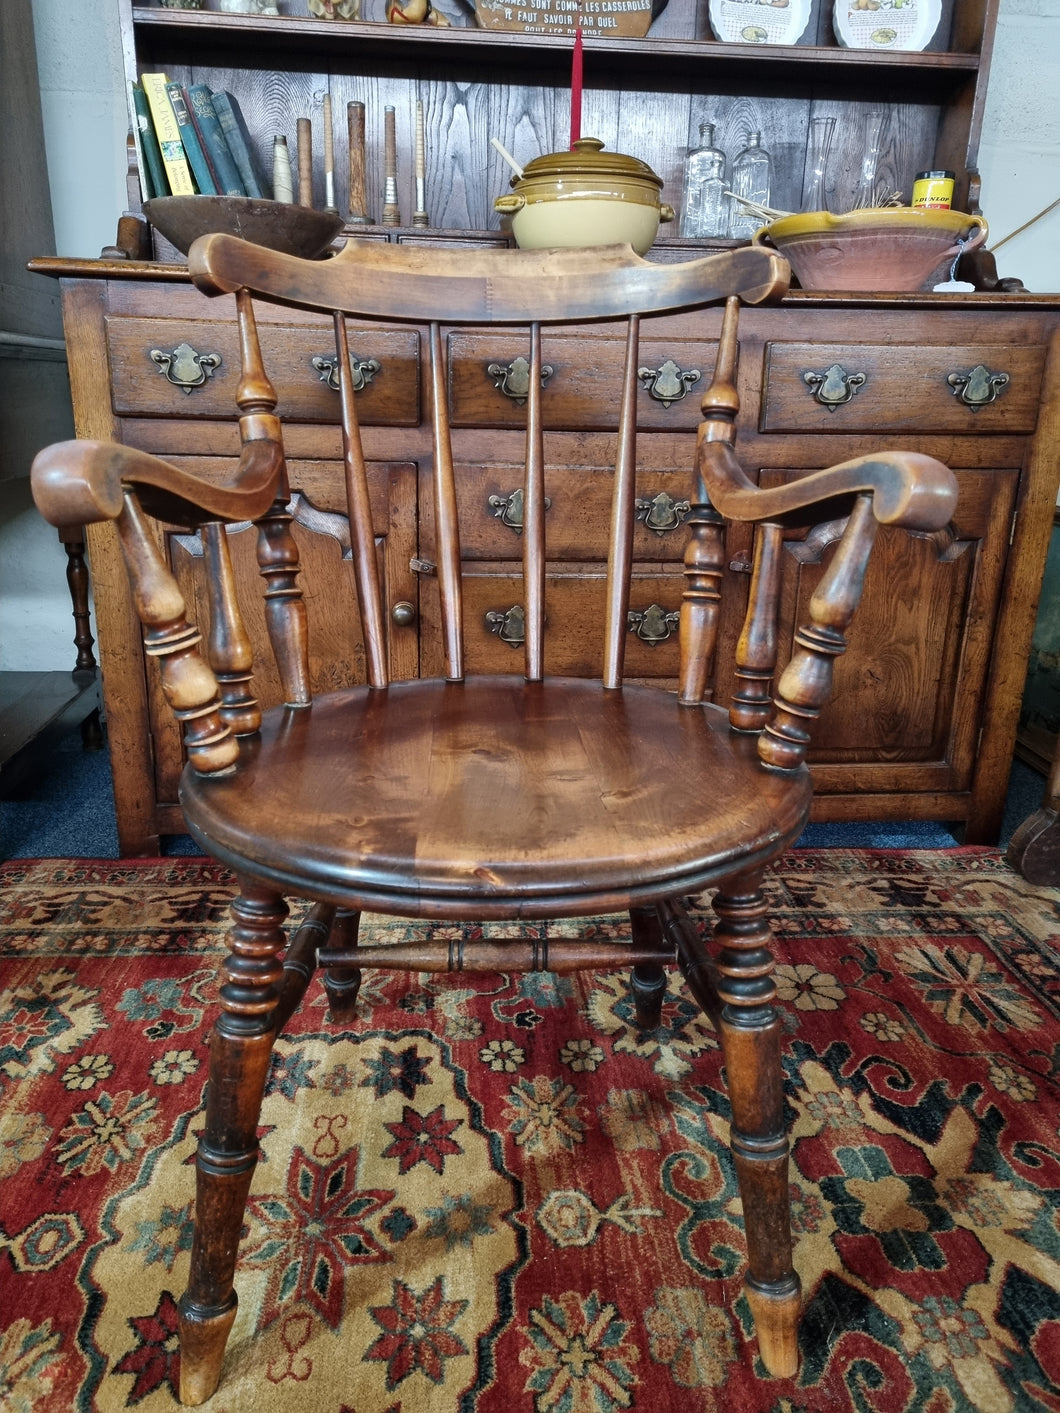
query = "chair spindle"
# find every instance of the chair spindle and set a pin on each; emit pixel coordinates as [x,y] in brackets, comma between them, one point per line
[756,650]
[446,528]
[806,682]
[358,504]
[285,613]
[534,519]
[188,682]
[623,510]
[229,650]
[705,549]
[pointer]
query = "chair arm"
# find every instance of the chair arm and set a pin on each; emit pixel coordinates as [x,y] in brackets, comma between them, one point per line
[900,488]
[81,483]
[907,488]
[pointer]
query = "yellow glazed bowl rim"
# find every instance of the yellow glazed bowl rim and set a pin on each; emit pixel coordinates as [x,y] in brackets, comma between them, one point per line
[877,218]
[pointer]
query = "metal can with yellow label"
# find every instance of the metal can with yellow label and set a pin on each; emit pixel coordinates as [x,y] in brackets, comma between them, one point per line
[933,191]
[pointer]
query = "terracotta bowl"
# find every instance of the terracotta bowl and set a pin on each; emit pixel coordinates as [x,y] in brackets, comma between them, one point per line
[884,249]
[279,225]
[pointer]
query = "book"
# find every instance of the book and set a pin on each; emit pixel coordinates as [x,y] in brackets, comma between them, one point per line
[149,156]
[208,126]
[200,168]
[235,131]
[178,173]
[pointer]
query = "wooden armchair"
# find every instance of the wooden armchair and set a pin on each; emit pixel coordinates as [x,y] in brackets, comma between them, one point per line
[465,797]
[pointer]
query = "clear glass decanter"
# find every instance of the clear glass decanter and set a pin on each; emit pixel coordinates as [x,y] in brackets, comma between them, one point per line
[866,194]
[818,150]
[752,178]
[703,204]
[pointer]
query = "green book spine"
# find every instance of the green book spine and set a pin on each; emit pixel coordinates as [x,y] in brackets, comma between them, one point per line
[234,129]
[153,174]
[200,168]
[209,129]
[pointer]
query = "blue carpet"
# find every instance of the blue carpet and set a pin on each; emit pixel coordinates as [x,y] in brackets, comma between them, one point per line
[68,813]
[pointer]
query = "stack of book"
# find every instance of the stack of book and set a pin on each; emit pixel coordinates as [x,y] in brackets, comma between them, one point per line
[190,140]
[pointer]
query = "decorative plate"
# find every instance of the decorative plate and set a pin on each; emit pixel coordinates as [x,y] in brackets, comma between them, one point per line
[886,24]
[759,21]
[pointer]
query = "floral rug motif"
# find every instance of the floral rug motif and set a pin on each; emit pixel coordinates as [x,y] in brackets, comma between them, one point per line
[495,1193]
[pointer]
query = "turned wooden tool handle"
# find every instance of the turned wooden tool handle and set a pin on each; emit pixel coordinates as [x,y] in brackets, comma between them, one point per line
[391,215]
[355,125]
[305,162]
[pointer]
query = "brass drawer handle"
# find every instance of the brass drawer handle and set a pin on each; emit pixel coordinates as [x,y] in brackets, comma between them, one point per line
[652,625]
[661,512]
[185,367]
[834,386]
[508,509]
[668,383]
[403,614]
[977,388]
[363,369]
[509,624]
[513,379]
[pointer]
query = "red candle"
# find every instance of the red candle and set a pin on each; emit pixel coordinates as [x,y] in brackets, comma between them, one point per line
[576,85]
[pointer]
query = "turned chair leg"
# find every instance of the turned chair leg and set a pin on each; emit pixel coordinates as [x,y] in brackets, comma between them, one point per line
[750,1038]
[648,981]
[342,984]
[240,1049]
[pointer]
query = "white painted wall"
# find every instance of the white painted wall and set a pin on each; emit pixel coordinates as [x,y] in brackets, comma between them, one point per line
[1019,151]
[84,114]
[82,96]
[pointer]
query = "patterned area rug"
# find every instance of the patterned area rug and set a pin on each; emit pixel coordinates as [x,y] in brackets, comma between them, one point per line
[495,1193]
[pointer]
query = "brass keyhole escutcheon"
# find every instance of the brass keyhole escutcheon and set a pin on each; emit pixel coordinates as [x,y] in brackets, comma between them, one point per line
[834,386]
[661,512]
[513,379]
[185,367]
[978,387]
[652,625]
[509,508]
[363,370]
[668,383]
[509,624]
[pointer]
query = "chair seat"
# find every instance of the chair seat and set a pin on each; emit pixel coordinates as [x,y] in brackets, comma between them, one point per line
[496,798]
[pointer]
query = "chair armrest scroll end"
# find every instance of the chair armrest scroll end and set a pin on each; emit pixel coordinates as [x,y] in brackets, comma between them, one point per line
[76,483]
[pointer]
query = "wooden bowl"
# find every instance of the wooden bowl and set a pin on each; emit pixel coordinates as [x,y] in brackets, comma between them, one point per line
[278,225]
[889,248]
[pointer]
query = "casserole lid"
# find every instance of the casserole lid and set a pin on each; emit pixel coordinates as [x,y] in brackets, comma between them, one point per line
[588,159]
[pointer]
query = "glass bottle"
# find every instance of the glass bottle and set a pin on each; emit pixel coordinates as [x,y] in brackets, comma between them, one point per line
[866,194]
[752,178]
[703,210]
[818,150]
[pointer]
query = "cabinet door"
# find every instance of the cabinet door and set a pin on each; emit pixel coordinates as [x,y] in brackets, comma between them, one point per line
[321,531]
[905,713]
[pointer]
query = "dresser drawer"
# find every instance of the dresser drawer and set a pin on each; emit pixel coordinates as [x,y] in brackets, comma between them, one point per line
[582,375]
[578,516]
[901,387]
[574,618]
[176,367]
